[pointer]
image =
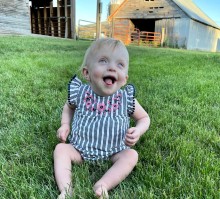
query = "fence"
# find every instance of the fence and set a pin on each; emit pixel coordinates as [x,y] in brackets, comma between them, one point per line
[86,29]
[145,38]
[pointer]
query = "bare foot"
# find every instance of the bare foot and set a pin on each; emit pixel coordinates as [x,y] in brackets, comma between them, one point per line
[64,194]
[101,192]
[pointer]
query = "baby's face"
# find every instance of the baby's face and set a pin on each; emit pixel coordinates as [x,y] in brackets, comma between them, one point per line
[107,70]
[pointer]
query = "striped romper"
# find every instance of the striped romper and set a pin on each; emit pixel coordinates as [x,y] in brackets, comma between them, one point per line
[99,123]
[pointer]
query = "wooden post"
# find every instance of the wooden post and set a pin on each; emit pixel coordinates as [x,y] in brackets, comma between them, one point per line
[98,19]
[73,19]
[45,20]
[58,18]
[33,21]
[66,19]
[39,21]
[162,36]
[51,15]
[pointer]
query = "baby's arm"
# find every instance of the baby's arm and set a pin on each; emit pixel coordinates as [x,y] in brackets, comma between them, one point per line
[142,120]
[66,119]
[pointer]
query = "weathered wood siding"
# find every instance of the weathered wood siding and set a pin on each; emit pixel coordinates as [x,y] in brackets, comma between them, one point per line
[122,30]
[181,32]
[202,37]
[176,30]
[189,34]
[148,9]
[218,42]
[14,17]
[218,45]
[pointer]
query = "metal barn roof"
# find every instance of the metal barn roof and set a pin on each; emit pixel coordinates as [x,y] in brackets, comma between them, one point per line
[194,12]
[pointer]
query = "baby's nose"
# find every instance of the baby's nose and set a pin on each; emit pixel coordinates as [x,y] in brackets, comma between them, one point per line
[111,67]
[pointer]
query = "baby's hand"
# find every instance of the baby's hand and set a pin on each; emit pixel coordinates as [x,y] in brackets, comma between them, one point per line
[132,136]
[63,132]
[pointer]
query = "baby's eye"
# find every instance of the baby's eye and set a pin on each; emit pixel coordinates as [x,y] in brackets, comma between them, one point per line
[121,65]
[103,61]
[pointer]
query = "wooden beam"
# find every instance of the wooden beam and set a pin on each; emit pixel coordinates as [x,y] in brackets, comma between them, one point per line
[39,21]
[58,18]
[33,21]
[45,20]
[66,18]
[73,19]
[51,15]
[162,36]
[98,19]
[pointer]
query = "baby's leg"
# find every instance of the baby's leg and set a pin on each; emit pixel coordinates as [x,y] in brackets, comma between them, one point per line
[123,164]
[64,155]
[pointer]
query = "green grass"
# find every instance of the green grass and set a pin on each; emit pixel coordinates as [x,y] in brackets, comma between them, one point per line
[179,155]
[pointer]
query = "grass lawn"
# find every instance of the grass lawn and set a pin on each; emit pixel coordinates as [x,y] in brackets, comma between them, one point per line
[179,157]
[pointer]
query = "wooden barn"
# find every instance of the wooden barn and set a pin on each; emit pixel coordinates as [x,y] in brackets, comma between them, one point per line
[177,23]
[38,17]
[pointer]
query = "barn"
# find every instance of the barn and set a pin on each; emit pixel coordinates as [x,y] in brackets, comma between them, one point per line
[177,23]
[38,17]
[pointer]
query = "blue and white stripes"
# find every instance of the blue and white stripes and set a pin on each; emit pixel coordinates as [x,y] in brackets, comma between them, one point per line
[100,123]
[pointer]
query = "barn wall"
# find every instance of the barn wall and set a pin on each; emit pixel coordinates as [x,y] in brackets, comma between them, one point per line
[14,17]
[122,30]
[181,31]
[167,24]
[176,31]
[147,9]
[218,41]
[202,37]
[218,45]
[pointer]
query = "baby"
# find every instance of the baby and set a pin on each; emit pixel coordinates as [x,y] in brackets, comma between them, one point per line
[98,114]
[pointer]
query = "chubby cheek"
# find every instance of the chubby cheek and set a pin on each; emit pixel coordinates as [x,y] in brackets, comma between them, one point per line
[96,74]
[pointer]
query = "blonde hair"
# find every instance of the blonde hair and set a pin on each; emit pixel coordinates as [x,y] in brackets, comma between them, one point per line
[98,44]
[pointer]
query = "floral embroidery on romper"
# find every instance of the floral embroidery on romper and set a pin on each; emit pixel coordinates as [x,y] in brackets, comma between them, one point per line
[92,105]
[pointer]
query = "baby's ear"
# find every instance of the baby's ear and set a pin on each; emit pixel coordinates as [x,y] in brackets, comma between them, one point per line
[85,73]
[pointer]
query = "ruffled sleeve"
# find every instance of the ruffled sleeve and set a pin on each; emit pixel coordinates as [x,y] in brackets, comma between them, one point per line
[130,89]
[73,90]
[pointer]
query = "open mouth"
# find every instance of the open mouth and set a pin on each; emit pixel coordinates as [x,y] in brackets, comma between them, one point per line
[109,80]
